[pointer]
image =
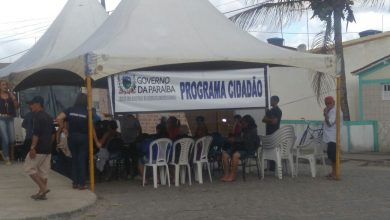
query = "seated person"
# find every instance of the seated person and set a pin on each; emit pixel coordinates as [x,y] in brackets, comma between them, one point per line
[242,146]
[236,132]
[109,134]
[105,148]
[201,128]
[173,128]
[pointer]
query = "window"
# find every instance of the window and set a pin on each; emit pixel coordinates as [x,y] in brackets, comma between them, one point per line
[386,92]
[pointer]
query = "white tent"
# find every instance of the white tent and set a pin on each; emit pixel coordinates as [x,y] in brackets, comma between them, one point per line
[75,23]
[151,33]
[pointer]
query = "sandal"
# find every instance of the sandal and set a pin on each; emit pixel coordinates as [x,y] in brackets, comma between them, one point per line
[83,187]
[42,196]
[331,177]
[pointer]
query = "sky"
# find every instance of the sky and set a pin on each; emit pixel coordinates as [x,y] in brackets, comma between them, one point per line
[22,22]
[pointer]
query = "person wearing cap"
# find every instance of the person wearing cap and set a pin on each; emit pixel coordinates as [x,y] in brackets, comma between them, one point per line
[329,135]
[37,162]
[27,124]
[76,128]
[8,106]
[272,120]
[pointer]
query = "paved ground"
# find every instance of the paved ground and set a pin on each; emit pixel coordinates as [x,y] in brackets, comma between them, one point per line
[16,188]
[363,193]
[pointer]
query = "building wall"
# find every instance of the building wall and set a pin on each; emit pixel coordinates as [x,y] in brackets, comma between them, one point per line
[359,53]
[374,108]
[293,85]
[297,99]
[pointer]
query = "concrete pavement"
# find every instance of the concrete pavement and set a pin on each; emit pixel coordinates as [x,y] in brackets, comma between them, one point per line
[125,199]
[16,188]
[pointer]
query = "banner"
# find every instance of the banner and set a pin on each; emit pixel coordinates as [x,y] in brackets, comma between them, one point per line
[152,91]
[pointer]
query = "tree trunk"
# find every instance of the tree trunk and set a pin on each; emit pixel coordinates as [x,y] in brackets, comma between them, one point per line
[340,63]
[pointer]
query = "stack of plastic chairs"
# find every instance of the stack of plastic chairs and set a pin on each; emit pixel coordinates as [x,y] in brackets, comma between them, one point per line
[277,147]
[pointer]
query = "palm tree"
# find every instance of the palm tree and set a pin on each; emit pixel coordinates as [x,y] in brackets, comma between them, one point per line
[331,12]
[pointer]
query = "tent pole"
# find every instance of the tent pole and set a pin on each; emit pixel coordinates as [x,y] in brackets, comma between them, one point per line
[338,128]
[88,81]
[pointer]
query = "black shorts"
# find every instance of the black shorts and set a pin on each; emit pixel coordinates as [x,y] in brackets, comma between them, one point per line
[332,151]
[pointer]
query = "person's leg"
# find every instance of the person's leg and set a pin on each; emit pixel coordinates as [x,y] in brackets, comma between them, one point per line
[233,172]
[82,163]
[331,151]
[11,137]
[134,159]
[32,168]
[4,139]
[74,151]
[225,161]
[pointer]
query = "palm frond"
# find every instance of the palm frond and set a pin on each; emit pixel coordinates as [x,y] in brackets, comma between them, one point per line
[275,12]
[323,43]
[373,3]
[322,84]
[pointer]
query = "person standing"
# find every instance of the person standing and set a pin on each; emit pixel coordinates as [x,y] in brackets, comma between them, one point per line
[37,162]
[272,120]
[76,128]
[329,136]
[8,106]
[130,129]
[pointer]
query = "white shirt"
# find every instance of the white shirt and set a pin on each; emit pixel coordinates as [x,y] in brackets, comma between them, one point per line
[330,131]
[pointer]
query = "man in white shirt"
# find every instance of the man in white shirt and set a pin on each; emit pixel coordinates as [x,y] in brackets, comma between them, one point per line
[329,136]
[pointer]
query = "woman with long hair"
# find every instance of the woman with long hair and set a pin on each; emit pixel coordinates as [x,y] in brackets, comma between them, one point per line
[8,106]
[244,145]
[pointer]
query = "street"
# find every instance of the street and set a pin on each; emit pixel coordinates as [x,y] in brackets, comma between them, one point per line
[362,193]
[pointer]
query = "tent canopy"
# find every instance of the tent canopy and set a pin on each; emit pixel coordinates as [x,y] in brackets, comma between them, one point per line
[74,24]
[168,34]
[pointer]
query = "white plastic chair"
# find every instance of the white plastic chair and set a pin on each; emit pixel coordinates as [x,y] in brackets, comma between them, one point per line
[161,146]
[202,145]
[311,151]
[278,146]
[186,145]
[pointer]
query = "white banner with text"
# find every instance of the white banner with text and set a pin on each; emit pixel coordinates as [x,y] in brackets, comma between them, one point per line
[153,91]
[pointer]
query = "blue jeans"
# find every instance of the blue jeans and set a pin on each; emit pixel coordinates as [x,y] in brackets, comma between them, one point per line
[78,145]
[7,133]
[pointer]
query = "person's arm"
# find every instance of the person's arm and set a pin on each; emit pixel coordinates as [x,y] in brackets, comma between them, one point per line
[33,151]
[61,125]
[269,118]
[330,117]
[14,100]
[34,141]
[102,141]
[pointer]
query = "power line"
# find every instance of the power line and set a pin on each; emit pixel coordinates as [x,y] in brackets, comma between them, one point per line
[26,32]
[227,3]
[305,98]
[277,32]
[18,39]
[3,58]
[22,27]
[26,20]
